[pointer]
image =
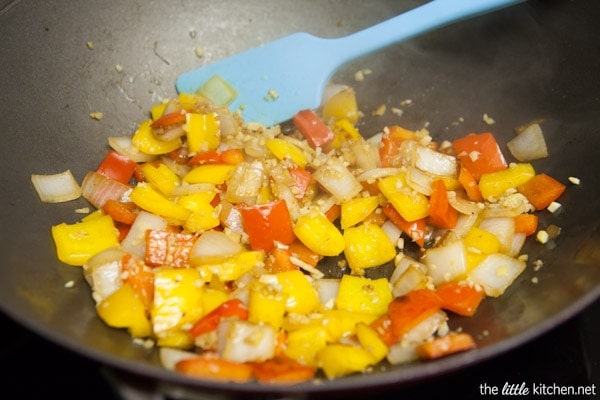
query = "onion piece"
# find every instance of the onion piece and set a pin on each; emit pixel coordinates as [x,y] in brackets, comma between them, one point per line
[242,341]
[463,205]
[56,188]
[434,162]
[446,263]
[391,230]
[135,241]
[213,247]
[169,357]
[528,145]
[503,228]
[376,173]
[103,272]
[496,273]
[327,290]
[124,146]
[419,180]
[98,189]
[338,180]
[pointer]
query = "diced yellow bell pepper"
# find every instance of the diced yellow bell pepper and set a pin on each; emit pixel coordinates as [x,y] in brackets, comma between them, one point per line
[303,344]
[370,341]
[348,128]
[283,149]
[343,130]
[76,243]
[157,110]
[233,268]
[341,105]
[342,323]
[319,234]
[209,173]
[203,132]
[338,360]
[205,217]
[266,304]
[357,209]
[364,295]
[212,298]
[410,204]
[196,201]
[495,184]
[145,141]
[481,240]
[124,309]
[301,295]
[161,177]
[150,200]
[188,100]
[479,243]
[177,303]
[96,214]
[366,246]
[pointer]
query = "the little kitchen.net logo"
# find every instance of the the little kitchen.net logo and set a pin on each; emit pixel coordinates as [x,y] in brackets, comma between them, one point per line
[537,389]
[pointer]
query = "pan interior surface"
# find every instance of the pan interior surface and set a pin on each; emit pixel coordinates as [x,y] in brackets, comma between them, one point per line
[63,60]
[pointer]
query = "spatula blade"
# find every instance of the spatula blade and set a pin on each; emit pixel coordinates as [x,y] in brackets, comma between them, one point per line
[263,78]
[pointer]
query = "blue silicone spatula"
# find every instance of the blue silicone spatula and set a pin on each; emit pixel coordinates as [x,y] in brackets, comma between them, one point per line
[276,80]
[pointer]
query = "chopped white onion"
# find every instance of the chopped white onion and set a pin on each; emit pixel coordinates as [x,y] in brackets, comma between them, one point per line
[413,278]
[496,272]
[97,189]
[169,356]
[503,228]
[434,162]
[242,341]
[103,272]
[338,180]
[124,146]
[391,230]
[419,180]
[376,173]
[327,290]
[246,183]
[135,241]
[463,205]
[446,263]
[529,144]
[403,264]
[366,155]
[214,247]
[56,188]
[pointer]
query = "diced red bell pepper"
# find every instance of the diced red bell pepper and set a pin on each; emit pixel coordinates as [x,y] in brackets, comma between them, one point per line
[316,132]
[441,212]
[174,118]
[117,167]
[460,299]
[302,180]
[210,322]
[479,153]
[266,224]
[414,229]
[168,248]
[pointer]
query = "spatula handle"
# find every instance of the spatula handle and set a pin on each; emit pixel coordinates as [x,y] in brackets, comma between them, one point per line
[429,16]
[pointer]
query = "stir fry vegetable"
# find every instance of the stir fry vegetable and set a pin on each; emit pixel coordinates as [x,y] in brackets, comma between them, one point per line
[210,232]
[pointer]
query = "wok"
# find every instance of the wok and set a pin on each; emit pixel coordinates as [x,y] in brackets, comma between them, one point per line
[535,61]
